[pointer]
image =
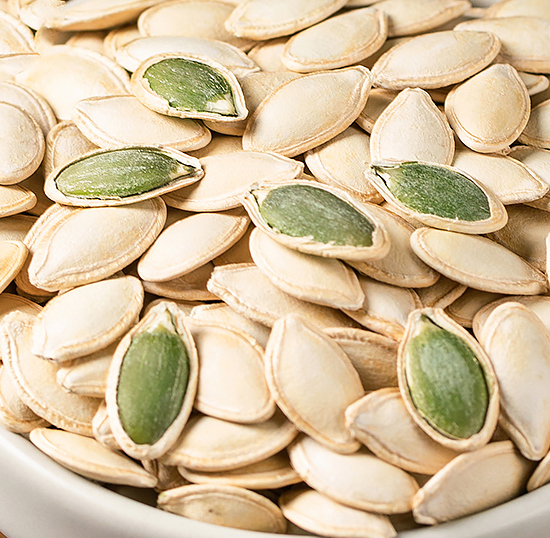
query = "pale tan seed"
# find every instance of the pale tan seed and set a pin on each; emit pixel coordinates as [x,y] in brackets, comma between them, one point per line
[190,18]
[261,19]
[340,41]
[321,515]
[373,356]
[316,409]
[232,383]
[35,379]
[87,319]
[525,40]
[537,130]
[412,128]
[268,55]
[518,345]
[341,162]
[273,472]
[381,421]
[359,480]
[15,36]
[464,309]
[477,262]
[98,76]
[511,8]
[228,506]
[103,239]
[249,292]
[510,180]
[379,99]
[304,113]
[412,62]
[490,110]
[228,177]
[386,308]
[325,281]
[116,121]
[441,294]
[89,458]
[12,257]
[211,444]
[200,237]
[473,482]
[22,144]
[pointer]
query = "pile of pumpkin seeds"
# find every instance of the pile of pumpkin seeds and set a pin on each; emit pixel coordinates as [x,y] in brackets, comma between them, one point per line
[282,263]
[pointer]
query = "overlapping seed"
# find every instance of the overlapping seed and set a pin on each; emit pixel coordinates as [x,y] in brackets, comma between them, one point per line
[258,340]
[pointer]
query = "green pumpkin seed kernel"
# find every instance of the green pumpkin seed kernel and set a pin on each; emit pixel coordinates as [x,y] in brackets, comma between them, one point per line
[153,381]
[121,173]
[435,190]
[446,382]
[191,86]
[307,211]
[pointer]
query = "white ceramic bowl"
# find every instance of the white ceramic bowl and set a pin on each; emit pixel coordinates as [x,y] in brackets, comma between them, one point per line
[41,499]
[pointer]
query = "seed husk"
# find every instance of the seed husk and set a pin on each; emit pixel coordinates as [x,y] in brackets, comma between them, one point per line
[121,120]
[491,475]
[228,506]
[537,130]
[518,344]
[311,278]
[210,444]
[319,514]
[439,196]
[152,383]
[491,124]
[317,219]
[188,86]
[121,176]
[316,410]
[464,309]
[477,262]
[411,63]
[441,294]
[381,421]
[412,128]
[447,381]
[87,457]
[232,384]
[86,319]
[261,19]
[35,379]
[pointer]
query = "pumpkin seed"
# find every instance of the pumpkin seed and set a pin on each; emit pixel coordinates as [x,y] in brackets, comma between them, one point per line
[89,458]
[121,176]
[489,125]
[228,506]
[189,86]
[441,294]
[464,309]
[86,319]
[152,383]
[35,379]
[381,421]
[491,475]
[477,262]
[273,472]
[537,131]
[411,128]
[268,55]
[447,381]
[317,219]
[210,444]
[261,19]
[121,120]
[316,410]
[518,343]
[337,42]
[321,515]
[439,196]
[412,63]
[310,103]
[311,278]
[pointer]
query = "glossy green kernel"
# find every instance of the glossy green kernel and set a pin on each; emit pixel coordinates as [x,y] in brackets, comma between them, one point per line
[120,173]
[435,190]
[446,382]
[152,383]
[307,211]
[191,86]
